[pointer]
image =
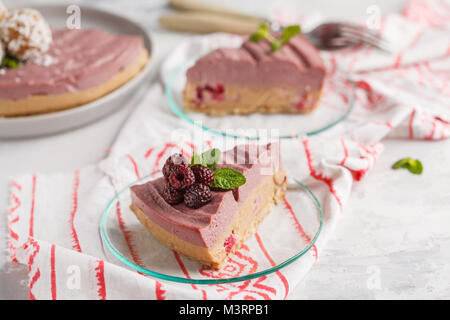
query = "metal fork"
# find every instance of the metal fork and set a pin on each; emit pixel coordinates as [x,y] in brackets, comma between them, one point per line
[204,17]
[337,35]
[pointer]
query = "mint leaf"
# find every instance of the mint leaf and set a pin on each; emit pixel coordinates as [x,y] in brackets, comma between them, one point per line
[197,159]
[263,32]
[228,179]
[211,158]
[10,63]
[275,44]
[289,32]
[255,37]
[412,165]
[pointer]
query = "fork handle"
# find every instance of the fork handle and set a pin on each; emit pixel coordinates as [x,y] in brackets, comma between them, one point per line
[207,7]
[203,22]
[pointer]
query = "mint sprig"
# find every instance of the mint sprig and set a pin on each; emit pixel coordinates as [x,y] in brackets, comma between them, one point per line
[275,44]
[224,178]
[10,62]
[263,32]
[412,165]
[228,179]
[208,158]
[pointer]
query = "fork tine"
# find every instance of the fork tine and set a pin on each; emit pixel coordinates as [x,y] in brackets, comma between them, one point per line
[361,32]
[338,35]
[367,36]
[359,29]
[376,42]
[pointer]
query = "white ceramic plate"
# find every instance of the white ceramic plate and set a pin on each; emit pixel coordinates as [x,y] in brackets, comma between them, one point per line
[91,17]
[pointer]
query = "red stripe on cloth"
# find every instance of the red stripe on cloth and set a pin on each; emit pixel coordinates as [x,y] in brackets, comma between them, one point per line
[148,153]
[126,235]
[12,252]
[319,176]
[16,185]
[134,164]
[279,274]
[410,125]
[100,275]
[134,255]
[442,120]
[183,268]
[36,276]
[433,130]
[11,210]
[372,152]
[33,194]
[299,227]
[160,292]
[398,61]
[345,152]
[12,234]
[244,288]
[34,279]
[258,285]
[76,184]
[16,203]
[35,252]
[53,272]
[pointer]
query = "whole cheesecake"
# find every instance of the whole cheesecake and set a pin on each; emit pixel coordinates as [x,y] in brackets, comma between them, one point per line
[253,78]
[80,66]
[210,233]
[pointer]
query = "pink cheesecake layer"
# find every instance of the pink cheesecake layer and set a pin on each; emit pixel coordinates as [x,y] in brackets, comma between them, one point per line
[296,64]
[83,59]
[203,226]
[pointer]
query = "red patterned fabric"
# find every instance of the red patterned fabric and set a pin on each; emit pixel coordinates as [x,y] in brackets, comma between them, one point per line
[53,219]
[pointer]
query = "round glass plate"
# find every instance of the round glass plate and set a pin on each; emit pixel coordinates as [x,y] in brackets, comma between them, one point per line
[285,235]
[334,107]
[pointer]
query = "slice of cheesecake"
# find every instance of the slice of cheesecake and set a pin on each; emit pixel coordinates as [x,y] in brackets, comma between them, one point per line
[252,78]
[211,233]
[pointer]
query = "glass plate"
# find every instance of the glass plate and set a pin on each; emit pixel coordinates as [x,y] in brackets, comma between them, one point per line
[286,234]
[334,107]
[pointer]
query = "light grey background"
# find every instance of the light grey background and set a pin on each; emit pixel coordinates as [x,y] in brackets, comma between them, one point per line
[393,241]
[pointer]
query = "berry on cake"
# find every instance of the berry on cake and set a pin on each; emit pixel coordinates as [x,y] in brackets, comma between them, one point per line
[206,208]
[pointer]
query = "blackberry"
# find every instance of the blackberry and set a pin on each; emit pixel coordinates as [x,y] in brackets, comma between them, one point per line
[203,174]
[171,195]
[181,177]
[197,195]
[175,160]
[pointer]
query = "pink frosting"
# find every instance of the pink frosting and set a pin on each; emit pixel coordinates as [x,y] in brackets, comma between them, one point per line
[82,59]
[204,225]
[297,63]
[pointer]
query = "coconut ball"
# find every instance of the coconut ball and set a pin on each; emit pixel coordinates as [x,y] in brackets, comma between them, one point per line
[25,33]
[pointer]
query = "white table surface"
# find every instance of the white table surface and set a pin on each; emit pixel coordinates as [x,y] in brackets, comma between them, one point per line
[401,250]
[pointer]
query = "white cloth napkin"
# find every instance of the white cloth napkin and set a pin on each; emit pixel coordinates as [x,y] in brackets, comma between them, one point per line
[53,219]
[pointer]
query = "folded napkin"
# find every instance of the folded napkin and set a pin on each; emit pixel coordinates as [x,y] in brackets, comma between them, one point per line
[53,219]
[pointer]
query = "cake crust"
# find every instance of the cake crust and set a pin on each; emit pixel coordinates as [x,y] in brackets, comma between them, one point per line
[245,100]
